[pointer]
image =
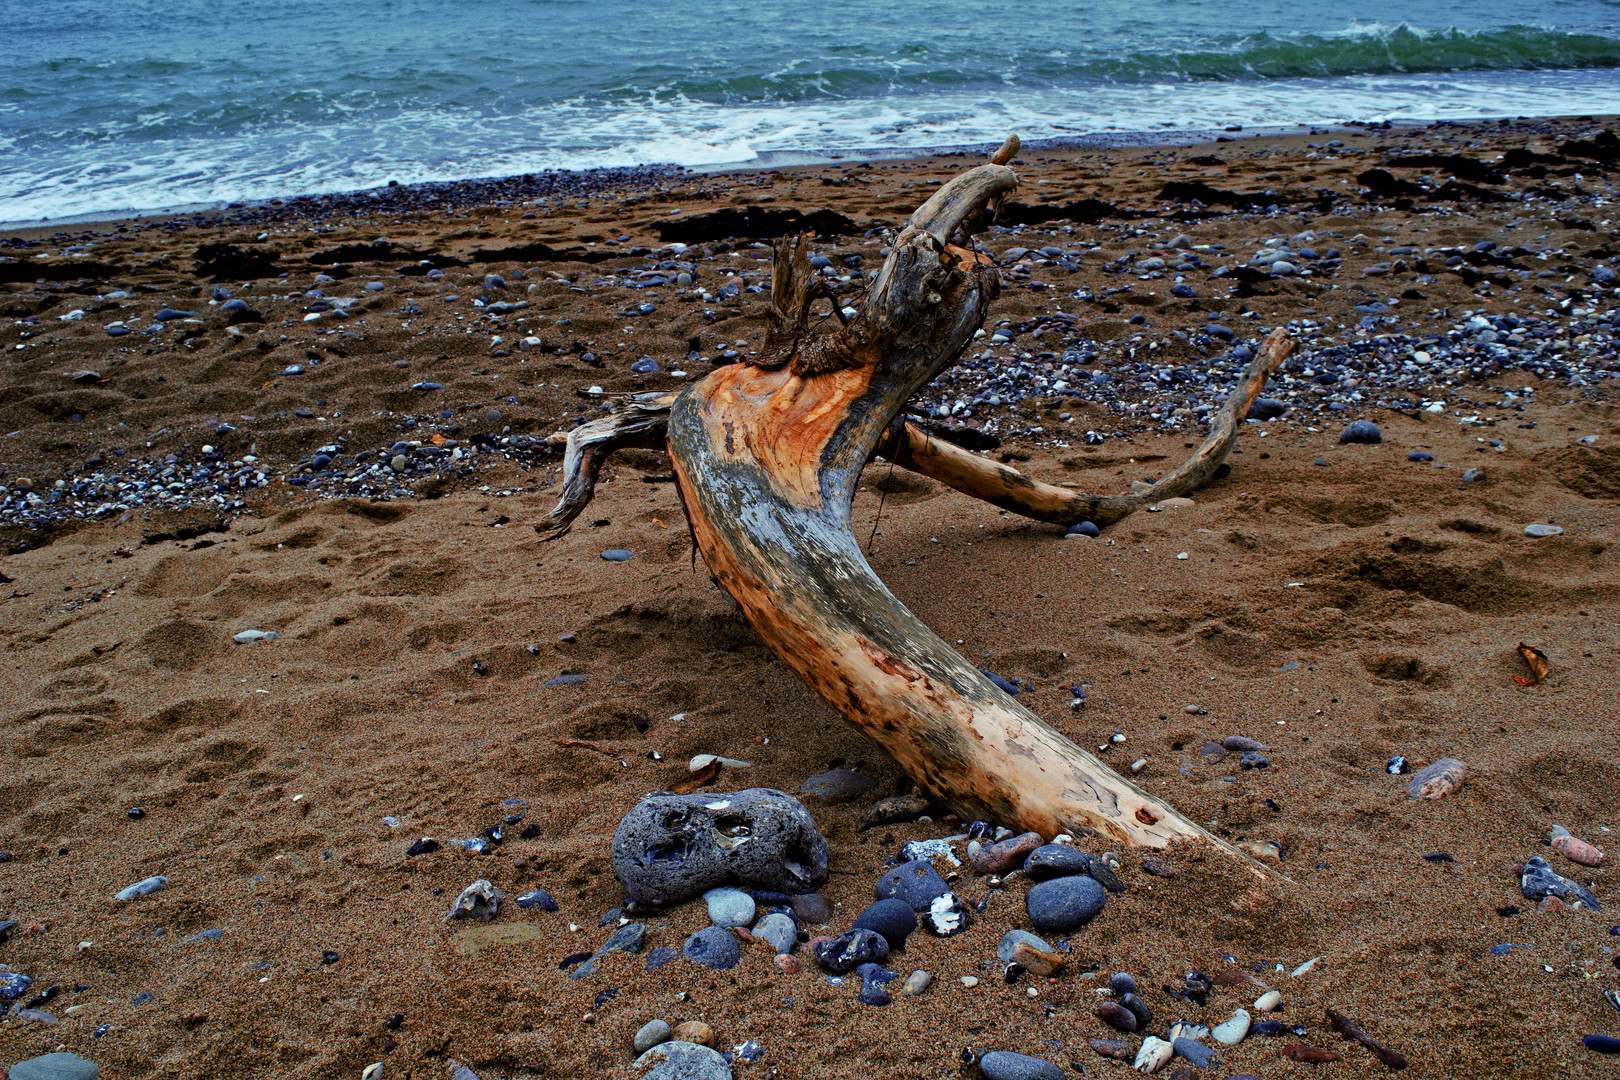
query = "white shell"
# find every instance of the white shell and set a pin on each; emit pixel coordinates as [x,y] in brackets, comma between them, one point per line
[1270,1001]
[373,1071]
[1154,1054]
[1232,1031]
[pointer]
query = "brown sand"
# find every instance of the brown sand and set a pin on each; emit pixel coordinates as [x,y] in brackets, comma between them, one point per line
[1342,615]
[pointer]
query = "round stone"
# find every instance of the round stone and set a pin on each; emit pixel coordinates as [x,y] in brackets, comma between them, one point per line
[729,907]
[652,1033]
[1266,409]
[713,948]
[893,918]
[1006,1065]
[1419,455]
[399,463]
[1007,947]
[1362,431]
[695,1031]
[915,882]
[1122,983]
[1084,528]
[1064,902]
[678,1060]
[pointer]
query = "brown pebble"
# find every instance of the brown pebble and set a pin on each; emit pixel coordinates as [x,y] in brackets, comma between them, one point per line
[746,936]
[788,964]
[1117,1016]
[1268,850]
[1549,904]
[1118,1049]
[1238,977]
[1238,744]
[1578,851]
[1157,867]
[1438,780]
[1036,961]
[1313,1054]
[695,1031]
[1009,853]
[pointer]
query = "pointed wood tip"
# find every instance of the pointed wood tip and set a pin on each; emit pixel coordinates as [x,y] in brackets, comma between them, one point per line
[1008,151]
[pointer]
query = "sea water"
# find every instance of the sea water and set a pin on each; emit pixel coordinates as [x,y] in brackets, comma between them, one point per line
[142,105]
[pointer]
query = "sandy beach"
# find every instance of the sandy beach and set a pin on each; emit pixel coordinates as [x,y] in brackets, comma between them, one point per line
[339,432]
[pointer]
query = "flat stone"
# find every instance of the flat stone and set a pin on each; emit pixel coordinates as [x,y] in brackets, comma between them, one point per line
[616,555]
[1006,1065]
[1538,531]
[629,938]
[811,909]
[713,948]
[652,1033]
[58,1066]
[838,786]
[1063,903]
[778,931]
[678,1060]
[1195,1052]
[729,907]
[915,882]
[1056,860]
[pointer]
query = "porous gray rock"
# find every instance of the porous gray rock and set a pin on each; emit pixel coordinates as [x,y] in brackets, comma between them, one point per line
[671,848]
[678,1060]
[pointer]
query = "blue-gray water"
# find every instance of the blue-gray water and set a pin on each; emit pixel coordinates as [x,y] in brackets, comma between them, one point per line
[141,104]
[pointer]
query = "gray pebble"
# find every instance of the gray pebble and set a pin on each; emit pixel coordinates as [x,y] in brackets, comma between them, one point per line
[141,888]
[779,931]
[678,1060]
[629,938]
[729,907]
[1006,1065]
[851,949]
[652,1033]
[1195,1052]
[1064,902]
[616,555]
[1361,431]
[917,983]
[1539,531]
[915,882]
[713,948]
[838,786]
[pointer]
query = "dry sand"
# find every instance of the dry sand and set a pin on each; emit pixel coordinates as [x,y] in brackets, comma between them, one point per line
[1342,615]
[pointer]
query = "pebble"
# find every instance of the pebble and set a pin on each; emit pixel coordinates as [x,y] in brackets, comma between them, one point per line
[13,985]
[729,907]
[917,983]
[838,786]
[788,965]
[481,898]
[713,948]
[916,882]
[538,898]
[1056,860]
[1006,1065]
[629,938]
[1361,431]
[1539,880]
[1271,1029]
[1437,780]
[851,949]
[1231,1032]
[1118,1049]
[1139,1009]
[1576,850]
[651,1034]
[893,918]
[1116,1015]
[1473,476]
[249,636]
[58,1066]
[616,555]
[141,888]
[169,314]
[1195,1052]
[1153,1055]
[1270,1001]
[893,809]
[1066,902]
[1122,983]
[873,980]
[1001,857]
[1539,531]
[676,1060]
[1266,409]
[695,1031]
[778,931]
[1084,528]
[947,916]
[1419,455]
[811,909]
[1239,744]
[1603,1044]
[1254,761]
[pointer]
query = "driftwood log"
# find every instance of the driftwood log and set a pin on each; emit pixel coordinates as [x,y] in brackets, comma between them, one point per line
[767,455]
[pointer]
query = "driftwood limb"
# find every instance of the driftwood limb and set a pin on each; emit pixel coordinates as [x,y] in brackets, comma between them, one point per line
[638,421]
[912,448]
[766,456]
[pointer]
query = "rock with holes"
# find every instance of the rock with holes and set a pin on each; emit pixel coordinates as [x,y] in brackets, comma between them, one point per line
[671,848]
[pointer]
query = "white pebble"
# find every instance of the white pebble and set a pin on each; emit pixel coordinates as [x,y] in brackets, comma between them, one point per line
[969,981]
[1270,1001]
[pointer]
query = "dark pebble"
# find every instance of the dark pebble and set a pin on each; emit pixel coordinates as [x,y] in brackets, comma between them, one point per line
[1117,1016]
[851,949]
[713,948]
[1419,455]
[1084,528]
[1254,761]
[1603,1044]
[893,918]
[838,785]
[1196,1052]
[1182,289]
[1064,902]
[1266,409]
[873,979]
[810,909]
[1056,860]
[1006,1065]
[1272,1029]
[1139,1009]
[917,883]
[423,846]
[538,898]
[167,314]
[1361,431]
[1122,983]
